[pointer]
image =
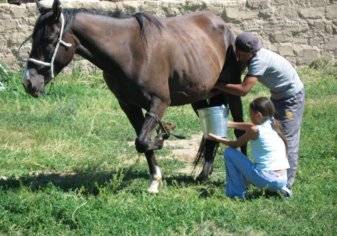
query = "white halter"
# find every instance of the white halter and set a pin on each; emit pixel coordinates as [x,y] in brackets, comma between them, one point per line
[60,41]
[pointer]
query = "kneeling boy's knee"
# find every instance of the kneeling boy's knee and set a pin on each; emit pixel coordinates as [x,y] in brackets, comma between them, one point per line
[229,153]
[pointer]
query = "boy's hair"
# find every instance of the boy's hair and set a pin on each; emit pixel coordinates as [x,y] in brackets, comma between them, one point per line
[266,107]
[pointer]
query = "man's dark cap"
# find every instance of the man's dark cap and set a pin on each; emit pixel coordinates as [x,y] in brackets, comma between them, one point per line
[248,42]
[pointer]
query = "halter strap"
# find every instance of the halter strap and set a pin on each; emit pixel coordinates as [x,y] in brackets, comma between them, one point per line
[60,41]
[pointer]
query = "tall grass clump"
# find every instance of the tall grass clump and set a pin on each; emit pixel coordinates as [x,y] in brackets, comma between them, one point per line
[3,76]
[327,66]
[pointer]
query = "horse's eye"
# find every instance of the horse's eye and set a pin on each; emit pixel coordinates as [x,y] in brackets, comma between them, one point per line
[50,47]
[50,38]
[50,35]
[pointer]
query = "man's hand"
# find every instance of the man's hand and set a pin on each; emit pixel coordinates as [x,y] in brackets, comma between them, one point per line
[219,85]
[237,89]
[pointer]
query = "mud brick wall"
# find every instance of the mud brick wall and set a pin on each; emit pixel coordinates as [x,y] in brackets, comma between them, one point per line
[300,30]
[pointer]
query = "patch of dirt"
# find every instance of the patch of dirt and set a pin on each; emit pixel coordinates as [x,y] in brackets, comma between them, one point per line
[184,150]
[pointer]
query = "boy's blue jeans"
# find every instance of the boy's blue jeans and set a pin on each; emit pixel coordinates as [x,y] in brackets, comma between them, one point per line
[240,172]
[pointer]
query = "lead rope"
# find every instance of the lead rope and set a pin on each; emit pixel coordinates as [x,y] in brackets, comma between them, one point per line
[162,127]
[166,132]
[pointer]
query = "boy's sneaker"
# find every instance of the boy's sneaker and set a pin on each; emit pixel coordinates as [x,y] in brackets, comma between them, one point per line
[286,192]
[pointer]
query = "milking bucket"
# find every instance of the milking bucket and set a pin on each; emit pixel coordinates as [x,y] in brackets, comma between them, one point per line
[214,120]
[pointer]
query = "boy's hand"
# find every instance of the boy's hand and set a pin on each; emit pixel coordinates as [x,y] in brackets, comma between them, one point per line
[214,137]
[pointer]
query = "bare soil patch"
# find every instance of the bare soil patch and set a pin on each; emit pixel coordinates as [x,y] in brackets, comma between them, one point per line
[184,150]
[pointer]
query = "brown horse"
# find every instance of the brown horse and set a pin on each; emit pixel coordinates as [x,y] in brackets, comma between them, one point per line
[148,63]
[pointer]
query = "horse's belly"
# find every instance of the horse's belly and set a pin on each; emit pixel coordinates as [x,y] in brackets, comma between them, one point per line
[182,98]
[128,92]
[190,92]
[191,80]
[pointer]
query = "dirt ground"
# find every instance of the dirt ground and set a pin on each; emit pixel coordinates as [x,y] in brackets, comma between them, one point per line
[185,150]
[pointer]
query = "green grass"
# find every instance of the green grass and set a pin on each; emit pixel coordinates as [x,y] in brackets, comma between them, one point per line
[67,169]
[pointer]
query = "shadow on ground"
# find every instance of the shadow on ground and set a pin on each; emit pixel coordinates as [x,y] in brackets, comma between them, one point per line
[90,182]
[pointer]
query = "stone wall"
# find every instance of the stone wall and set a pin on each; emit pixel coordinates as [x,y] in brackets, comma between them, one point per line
[300,30]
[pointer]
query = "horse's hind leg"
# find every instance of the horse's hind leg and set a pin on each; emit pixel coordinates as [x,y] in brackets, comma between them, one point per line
[209,151]
[136,118]
[208,148]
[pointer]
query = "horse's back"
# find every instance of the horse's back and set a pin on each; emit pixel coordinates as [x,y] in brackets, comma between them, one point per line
[204,21]
[180,63]
[201,17]
[196,50]
[199,35]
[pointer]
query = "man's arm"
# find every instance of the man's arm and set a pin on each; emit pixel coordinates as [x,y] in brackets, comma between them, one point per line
[237,89]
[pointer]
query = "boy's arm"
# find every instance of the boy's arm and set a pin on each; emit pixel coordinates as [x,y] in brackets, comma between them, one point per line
[242,140]
[240,125]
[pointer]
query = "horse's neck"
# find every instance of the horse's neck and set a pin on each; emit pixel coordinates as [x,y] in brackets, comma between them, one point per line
[103,40]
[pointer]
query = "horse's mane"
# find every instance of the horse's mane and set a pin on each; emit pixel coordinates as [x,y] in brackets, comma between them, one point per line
[70,13]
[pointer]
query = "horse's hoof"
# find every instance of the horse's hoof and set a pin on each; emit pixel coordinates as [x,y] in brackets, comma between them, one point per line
[154,186]
[202,178]
[156,181]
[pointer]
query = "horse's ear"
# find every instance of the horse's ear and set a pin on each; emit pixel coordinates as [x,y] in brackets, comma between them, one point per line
[57,9]
[46,5]
[56,5]
[39,7]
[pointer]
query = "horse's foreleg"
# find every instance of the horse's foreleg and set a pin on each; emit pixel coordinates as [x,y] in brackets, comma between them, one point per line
[136,118]
[144,141]
[146,145]
[156,175]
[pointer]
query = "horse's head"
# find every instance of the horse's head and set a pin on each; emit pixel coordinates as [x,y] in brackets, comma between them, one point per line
[50,52]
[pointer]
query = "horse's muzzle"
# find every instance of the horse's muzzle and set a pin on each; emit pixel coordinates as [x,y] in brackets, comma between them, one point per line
[33,87]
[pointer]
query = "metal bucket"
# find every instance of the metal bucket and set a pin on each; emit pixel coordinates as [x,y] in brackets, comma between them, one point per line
[214,120]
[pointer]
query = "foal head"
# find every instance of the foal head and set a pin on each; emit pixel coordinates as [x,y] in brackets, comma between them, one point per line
[49,53]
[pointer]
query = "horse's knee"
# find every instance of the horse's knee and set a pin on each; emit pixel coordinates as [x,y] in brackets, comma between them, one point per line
[141,145]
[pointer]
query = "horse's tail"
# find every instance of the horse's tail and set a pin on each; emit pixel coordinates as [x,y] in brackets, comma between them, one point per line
[206,152]
[201,153]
